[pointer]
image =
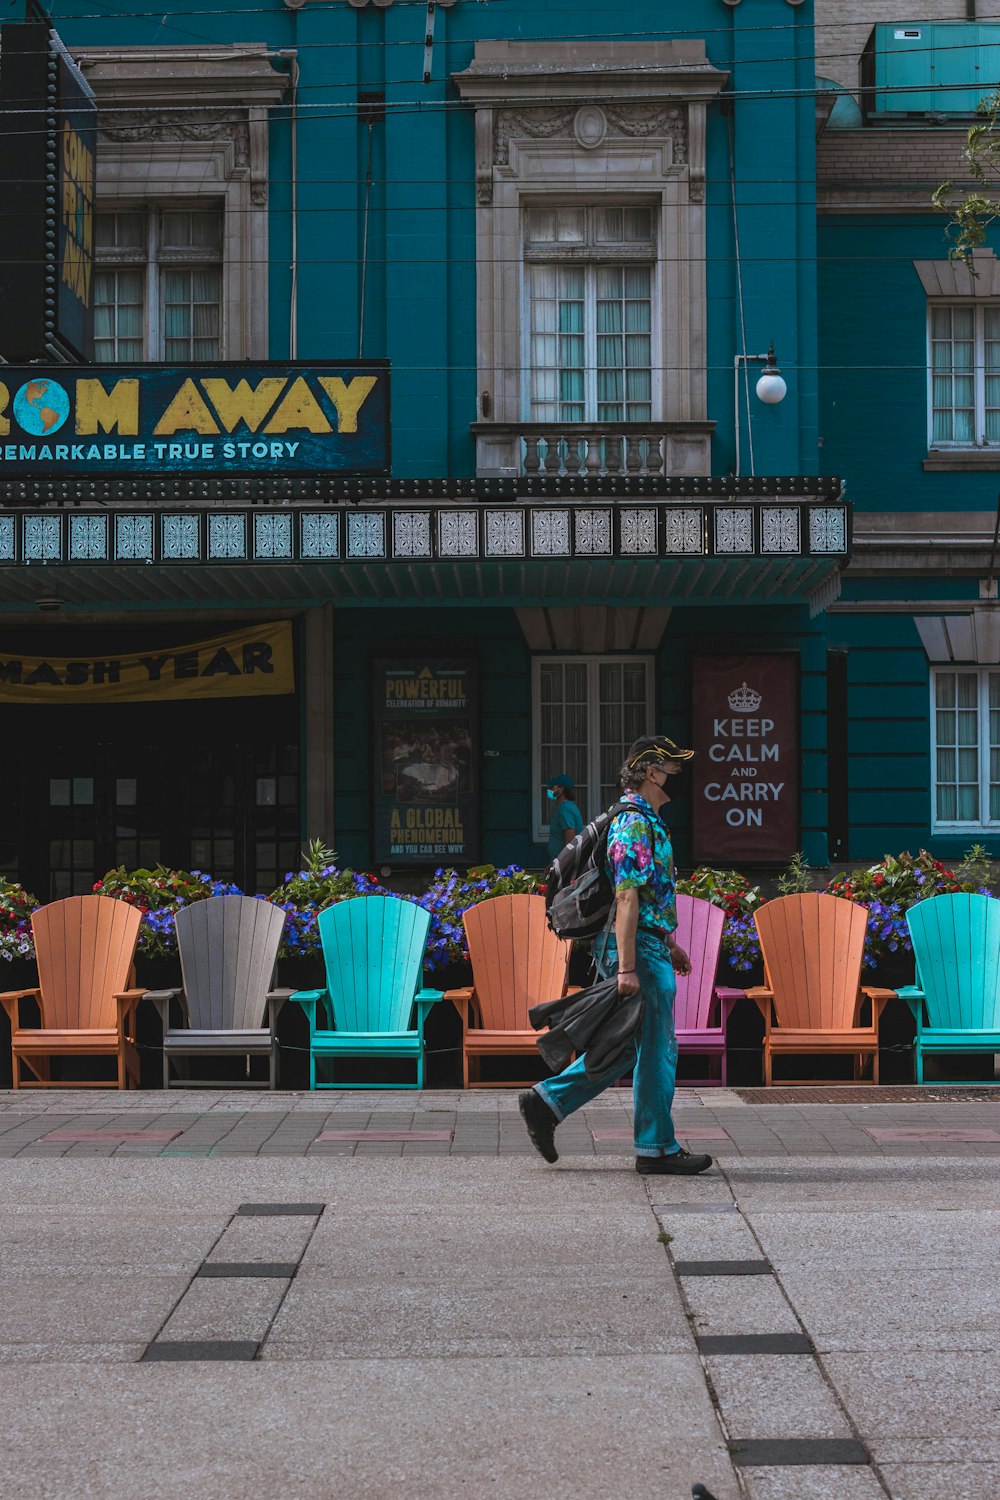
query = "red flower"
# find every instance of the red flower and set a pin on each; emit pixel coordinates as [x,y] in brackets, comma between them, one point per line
[880,880]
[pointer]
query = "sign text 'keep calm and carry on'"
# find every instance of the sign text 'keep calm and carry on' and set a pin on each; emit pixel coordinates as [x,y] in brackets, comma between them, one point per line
[218,419]
[746,775]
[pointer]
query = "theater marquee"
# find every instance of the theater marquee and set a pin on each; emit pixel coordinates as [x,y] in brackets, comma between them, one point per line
[157,421]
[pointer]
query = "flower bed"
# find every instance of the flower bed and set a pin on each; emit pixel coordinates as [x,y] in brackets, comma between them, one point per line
[159,894]
[16,906]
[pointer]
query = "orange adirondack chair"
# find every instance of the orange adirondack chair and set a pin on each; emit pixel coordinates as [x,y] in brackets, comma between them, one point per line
[84,947]
[517,962]
[813,947]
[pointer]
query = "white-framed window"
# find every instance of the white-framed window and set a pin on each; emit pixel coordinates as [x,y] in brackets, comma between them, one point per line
[587,710]
[964,374]
[589,283]
[158,284]
[965,748]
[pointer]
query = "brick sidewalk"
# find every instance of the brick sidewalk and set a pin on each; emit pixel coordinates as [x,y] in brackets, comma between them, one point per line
[849,1122]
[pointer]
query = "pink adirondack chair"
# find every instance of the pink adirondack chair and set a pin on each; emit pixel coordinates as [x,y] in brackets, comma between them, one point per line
[702,1008]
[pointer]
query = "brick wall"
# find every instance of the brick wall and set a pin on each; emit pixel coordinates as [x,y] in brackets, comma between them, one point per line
[843,28]
[866,159]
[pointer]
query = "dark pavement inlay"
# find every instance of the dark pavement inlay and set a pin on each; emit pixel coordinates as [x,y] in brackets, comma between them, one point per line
[754,1343]
[768,1452]
[276,1210]
[695,1208]
[187,1349]
[278,1269]
[723,1268]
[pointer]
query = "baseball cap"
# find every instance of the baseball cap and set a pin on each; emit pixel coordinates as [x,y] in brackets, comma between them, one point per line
[650,749]
[566,782]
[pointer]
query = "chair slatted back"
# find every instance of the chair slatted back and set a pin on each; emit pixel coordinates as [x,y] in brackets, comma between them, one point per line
[373,948]
[956,944]
[812,947]
[85,948]
[228,947]
[517,960]
[699,932]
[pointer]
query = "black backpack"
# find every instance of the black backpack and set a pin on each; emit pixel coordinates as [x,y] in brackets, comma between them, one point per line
[578,889]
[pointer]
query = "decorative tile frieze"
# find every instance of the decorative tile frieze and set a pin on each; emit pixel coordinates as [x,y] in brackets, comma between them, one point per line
[550,533]
[505,533]
[684,531]
[779,528]
[734,528]
[180,538]
[134,538]
[227,536]
[8,533]
[593,532]
[458,533]
[827,529]
[366,533]
[637,532]
[88,538]
[272,535]
[320,536]
[42,539]
[411,533]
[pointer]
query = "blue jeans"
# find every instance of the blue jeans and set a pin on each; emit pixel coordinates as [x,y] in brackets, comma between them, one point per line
[654,1057]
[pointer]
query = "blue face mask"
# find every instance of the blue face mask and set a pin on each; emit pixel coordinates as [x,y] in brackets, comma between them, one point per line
[552,794]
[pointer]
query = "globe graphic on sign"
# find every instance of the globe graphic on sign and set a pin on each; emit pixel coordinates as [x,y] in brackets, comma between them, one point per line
[40,407]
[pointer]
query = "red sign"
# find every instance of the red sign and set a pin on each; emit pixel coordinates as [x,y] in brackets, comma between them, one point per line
[746,774]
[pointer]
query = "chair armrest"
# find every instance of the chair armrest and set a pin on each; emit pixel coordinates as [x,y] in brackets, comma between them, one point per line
[727,998]
[879,998]
[309,1000]
[464,1001]
[572,989]
[914,998]
[424,1002]
[10,1000]
[161,999]
[275,1001]
[762,998]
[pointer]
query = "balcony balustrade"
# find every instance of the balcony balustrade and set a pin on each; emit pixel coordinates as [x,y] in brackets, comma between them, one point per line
[594,450]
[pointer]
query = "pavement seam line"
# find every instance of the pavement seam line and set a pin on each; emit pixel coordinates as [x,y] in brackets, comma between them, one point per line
[816,1358]
[178,1300]
[267,1331]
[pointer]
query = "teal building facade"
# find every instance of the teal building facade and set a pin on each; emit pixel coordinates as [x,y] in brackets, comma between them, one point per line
[583,256]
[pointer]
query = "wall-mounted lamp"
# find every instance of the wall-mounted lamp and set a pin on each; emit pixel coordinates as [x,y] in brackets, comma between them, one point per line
[771,389]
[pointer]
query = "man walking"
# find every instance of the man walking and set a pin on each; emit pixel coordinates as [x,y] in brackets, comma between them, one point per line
[645,954]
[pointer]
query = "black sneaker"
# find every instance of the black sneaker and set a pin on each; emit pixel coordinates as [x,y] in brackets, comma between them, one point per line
[680,1164]
[541,1123]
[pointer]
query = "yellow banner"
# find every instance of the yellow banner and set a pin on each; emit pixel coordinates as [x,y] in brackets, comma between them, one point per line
[254,660]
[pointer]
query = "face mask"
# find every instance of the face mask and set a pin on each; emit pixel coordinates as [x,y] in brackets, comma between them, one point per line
[552,794]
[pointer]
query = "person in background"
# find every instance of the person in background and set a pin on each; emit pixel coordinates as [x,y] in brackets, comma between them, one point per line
[565,818]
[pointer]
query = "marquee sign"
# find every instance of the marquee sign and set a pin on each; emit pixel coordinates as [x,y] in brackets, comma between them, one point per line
[746,774]
[225,419]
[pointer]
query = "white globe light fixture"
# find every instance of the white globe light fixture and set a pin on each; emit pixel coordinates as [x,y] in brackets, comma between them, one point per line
[771,387]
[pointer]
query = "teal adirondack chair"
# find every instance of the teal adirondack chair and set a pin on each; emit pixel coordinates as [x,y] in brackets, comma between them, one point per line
[956,999]
[373,949]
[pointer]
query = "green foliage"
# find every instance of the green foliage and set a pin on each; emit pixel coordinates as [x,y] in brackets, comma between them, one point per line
[975,869]
[159,894]
[304,894]
[974,212]
[797,879]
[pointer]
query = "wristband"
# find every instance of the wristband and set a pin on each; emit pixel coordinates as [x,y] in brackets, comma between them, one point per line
[626,971]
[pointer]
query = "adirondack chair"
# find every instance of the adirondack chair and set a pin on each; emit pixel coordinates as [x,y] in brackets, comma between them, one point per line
[701,1007]
[813,946]
[956,999]
[517,962]
[373,949]
[228,946]
[84,947]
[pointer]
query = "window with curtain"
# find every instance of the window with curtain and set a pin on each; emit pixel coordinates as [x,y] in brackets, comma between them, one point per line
[589,284]
[966,748]
[964,375]
[158,285]
[587,711]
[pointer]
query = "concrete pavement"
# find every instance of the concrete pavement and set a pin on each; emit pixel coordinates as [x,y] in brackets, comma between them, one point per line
[438,1313]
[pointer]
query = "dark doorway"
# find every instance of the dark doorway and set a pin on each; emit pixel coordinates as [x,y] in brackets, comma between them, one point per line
[209,786]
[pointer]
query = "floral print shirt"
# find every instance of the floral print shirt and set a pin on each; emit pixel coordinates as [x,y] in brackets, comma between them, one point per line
[635,861]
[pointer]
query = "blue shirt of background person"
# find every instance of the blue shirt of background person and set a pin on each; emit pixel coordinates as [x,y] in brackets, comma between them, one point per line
[565,818]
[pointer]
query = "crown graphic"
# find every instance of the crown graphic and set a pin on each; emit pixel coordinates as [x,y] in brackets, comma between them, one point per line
[745,700]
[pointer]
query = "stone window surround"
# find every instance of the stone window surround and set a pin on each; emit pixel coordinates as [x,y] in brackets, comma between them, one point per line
[584,122]
[152,149]
[948,281]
